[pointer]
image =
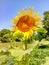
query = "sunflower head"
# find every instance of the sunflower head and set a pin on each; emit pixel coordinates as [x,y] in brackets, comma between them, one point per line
[26,22]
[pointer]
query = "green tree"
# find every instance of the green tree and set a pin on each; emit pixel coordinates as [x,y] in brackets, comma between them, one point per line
[4,31]
[6,35]
[46,23]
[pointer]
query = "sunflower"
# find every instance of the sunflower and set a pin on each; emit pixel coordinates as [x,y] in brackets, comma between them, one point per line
[26,22]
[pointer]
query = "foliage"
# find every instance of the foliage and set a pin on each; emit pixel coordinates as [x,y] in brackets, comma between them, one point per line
[6,35]
[18,37]
[40,34]
[3,32]
[46,23]
[37,54]
[46,19]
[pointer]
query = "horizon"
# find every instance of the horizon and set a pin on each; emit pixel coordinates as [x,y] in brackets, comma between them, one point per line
[10,8]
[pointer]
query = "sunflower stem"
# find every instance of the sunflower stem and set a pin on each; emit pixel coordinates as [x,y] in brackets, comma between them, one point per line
[26,56]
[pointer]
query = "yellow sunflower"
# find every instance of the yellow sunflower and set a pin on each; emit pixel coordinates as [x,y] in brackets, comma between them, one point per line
[26,22]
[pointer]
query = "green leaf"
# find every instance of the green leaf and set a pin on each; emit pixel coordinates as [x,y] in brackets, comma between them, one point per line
[42,30]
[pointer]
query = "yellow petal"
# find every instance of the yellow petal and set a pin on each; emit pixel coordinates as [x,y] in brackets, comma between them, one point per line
[27,34]
[14,27]
[14,21]
[17,17]
[31,32]
[23,11]
[38,18]
[30,11]
[17,32]
[19,13]
[35,14]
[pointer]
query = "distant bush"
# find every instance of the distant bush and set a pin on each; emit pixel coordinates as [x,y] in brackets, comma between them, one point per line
[6,35]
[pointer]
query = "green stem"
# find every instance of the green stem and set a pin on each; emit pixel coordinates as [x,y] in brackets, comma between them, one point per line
[26,56]
[25,46]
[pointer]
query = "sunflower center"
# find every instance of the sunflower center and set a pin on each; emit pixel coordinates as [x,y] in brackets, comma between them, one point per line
[24,23]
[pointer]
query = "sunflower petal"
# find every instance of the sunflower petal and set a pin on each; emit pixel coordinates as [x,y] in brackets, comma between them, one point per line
[19,13]
[14,21]
[16,17]
[14,27]
[23,11]
[35,14]
[27,34]
[17,32]
[38,18]
[30,11]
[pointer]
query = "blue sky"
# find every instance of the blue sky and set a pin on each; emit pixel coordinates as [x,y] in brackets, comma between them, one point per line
[9,9]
